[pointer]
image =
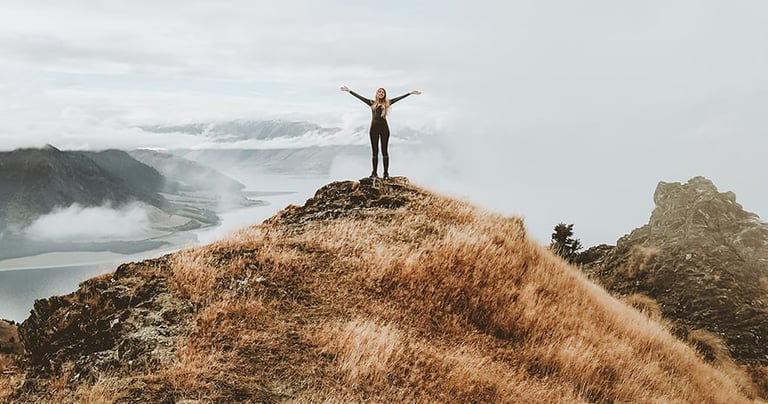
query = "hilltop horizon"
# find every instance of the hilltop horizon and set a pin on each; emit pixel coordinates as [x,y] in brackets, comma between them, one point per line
[600,215]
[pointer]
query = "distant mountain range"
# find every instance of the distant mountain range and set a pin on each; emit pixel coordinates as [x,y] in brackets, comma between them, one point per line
[290,161]
[243,129]
[187,175]
[282,133]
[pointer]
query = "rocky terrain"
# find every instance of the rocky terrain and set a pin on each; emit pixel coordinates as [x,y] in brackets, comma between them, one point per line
[703,259]
[371,291]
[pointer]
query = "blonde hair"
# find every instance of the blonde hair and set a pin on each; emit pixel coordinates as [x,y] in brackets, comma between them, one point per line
[384,104]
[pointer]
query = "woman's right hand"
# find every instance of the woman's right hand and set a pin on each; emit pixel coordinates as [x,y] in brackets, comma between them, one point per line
[345,88]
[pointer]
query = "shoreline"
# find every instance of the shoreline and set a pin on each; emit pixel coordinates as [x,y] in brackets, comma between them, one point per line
[70,259]
[175,242]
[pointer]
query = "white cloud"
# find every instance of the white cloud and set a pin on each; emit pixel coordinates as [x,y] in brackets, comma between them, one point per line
[78,223]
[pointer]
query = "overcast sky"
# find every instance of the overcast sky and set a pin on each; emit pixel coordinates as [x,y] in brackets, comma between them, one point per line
[553,110]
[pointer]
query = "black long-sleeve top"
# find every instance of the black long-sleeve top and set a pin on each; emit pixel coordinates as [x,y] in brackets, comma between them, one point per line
[376,117]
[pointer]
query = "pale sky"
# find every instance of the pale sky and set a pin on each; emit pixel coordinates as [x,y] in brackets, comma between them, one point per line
[552,110]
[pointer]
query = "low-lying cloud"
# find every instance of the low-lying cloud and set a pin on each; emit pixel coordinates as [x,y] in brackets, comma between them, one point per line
[103,223]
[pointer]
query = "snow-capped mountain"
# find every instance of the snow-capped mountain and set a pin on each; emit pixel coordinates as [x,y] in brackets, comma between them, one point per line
[270,134]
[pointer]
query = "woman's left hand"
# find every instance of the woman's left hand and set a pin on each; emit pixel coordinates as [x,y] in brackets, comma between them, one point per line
[415,92]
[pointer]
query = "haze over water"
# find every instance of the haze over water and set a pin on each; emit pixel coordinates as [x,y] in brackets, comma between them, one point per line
[47,275]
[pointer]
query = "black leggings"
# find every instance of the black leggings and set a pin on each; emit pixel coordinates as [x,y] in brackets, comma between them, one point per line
[380,132]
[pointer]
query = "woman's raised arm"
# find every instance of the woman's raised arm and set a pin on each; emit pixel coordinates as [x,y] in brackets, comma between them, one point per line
[358,96]
[396,99]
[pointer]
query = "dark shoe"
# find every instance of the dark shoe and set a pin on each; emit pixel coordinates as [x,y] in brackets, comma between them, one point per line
[386,176]
[374,174]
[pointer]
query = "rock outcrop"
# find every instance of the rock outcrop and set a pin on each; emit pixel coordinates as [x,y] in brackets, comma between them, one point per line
[704,259]
[117,324]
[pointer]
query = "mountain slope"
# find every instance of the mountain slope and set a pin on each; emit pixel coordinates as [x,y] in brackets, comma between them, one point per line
[194,181]
[189,174]
[369,292]
[35,181]
[141,179]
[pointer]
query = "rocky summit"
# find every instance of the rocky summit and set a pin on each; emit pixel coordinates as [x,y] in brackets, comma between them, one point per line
[704,259]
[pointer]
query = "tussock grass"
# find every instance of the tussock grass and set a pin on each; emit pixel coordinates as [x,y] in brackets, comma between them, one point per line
[106,389]
[11,376]
[194,274]
[644,304]
[639,260]
[713,350]
[364,350]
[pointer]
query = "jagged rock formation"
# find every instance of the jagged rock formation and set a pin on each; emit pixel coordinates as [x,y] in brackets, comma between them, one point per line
[371,291]
[704,259]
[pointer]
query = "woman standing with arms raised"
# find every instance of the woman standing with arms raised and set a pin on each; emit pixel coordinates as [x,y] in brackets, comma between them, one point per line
[379,127]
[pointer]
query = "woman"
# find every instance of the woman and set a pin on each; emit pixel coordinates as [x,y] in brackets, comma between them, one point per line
[379,128]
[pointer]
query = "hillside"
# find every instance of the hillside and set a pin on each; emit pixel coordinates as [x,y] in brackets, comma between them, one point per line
[35,181]
[194,182]
[378,292]
[190,175]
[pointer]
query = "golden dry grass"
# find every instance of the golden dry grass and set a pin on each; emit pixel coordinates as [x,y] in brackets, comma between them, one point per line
[639,258]
[437,301]
[644,304]
[364,350]
[11,376]
[713,349]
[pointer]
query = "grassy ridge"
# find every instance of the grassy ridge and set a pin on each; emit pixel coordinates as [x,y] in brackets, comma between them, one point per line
[394,294]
